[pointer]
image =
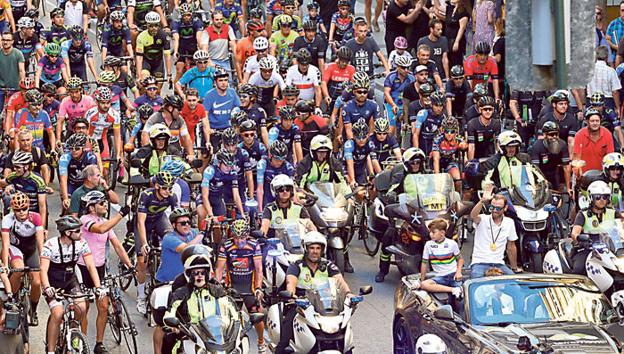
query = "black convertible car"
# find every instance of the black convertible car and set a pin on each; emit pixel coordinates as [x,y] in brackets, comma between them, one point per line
[528,313]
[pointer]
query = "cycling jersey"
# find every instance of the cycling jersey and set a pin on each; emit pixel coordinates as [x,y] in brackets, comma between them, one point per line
[188,35]
[16,102]
[99,123]
[192,118]
[458,94]
[274,7]
[242,165]
[37,125]
[394,55]
[26,45]
[97,242]
[256,152]
[448,151]
[251,64]
[118,97]
[72,168]
[313,126]
[483,136]
[569,125]
[57,34]
[384,149]
[343,25]
[230,14]
[266,87]
[478,73]
[396,85]
[203,81]
[288,137]
[353,112]
[429,125]
[51,71]
[77,55]
[257,114]
[63,259]
[335,78]
[359,154]
[306,82]
[295,25]
[240,263]
[284,44]
[22,233]
[141,8]
[153,206]
[317,47]
[220,107]
[116,40]
[32,185]
[39,159]
[73,110]
[151,47]
[52,109]
[220,185]
[177,127]
[155,102]
[125,82]
[219,42]
[267,172]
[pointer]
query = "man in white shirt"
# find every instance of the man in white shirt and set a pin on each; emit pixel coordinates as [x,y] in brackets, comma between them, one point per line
[606,80]
[76,13]
[494,234]
[306,77]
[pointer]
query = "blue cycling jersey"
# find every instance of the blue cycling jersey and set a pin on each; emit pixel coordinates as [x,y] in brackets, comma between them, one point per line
[156,102]
[72,168]
[266,173]
[286,136]
[153,206]
[256,152]
[397,86]
[76,54]
[202,81]
[352,112]
[429,125]
[115,40]
[257,114]
[219,183]
[383,149]
[32,185]
[242,165]
[358,154]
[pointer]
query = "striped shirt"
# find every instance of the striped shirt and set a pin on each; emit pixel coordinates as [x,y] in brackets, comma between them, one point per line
[442,256]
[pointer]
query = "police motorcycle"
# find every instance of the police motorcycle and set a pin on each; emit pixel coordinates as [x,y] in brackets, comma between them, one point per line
[323,321]
[281,251]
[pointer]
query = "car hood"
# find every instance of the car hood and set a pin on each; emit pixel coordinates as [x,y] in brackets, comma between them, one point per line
[568,337]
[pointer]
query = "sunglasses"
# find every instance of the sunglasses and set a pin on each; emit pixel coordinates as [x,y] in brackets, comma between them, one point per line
[381,133]
[601,196]
[20,210]
[361,92]
[278,158]
[80,127]
[245,96]
[168,189]
[249,135]
[283,189]
[202,62]
[415,162]
[36,104]
[152,88]
[553,135]
[496,208]
[487,109]
[77,148]
[73,232]
[52,56]
[103,203]
[153,26]
[184,223]
[450,131]
[344,8]
[19,167]
[199,272]
[261,50]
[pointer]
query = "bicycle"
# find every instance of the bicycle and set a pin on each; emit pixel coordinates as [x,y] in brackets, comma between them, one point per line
[371,243]
[119,319]
[70,338]
[153,262]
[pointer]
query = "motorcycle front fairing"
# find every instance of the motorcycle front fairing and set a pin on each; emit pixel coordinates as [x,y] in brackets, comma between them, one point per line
[214,335]
[331,210]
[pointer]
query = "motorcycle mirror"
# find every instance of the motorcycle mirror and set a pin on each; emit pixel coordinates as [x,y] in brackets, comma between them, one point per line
[285,294]
[197,163]
[524,344]
[172,322]
[445,313]
[365,290]
[256,317]
[583,238]
[135,163]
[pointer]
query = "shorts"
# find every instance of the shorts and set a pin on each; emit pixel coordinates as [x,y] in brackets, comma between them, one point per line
[58,83]
[392,118]
[155,67]
[72,288]
[251,303]
[360,174]
[153,227]
[185,56]
[31,260]
[450,166]
[86,277]
[447,280]
[79,70]
[3,25]
[157,316]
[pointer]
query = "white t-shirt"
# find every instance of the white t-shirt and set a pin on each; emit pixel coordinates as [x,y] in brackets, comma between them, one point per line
[442,256]
[305,82]
[73,14]
[488,233]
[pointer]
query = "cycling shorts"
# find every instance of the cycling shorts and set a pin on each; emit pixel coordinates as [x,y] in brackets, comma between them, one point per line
[86,277]
[155,67]
[30,260]
[72,288]
[392,118]
[158,227]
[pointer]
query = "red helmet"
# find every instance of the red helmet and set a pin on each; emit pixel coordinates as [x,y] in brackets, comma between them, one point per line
[27,83]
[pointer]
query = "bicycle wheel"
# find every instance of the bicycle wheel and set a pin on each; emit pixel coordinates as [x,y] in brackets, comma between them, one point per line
[126,281]
[127,327]
[77,343]
[113,320]
[371,243]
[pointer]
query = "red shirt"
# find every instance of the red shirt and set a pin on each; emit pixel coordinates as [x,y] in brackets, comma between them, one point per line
[333,72]
[593,152]
[476,72]
[192,117]
[16,102]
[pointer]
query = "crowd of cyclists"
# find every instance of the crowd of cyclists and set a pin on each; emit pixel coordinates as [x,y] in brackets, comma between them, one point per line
[259,102]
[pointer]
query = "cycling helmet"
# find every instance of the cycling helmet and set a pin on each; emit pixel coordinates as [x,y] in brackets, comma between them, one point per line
[260,43]
[430,344]
[309,25]
[457,71]
[287,112]
[361,80]
[196,261]
[344,3]
[450,123]
[255,25]
[48,88]
[486,101]
[178,213]
[159,130]
[287,3]
[92,198]
[482,48]
[117,16]
[592,112]
[550,127]
[19,200]
[598,188]
[229,137]
[400,42]
[57,12]
[256,13]
[412,154]
[52,49]
[175,166]
[291,90]
[68,223]
[381,125]
[611,160]
[76,32]
[320,142]
[149,80]
[248,125]
[174,101]
[597,99]
[22,158]
[285,20]
[240,228]
[479,91]
[360,130]
[225,157]
[303,56]
[313,5]
[220,72]
[314,238]
[266,63]
[103,93]
[34,96]
[26,22]
[425,90]
[77,140]
[305,106]
[112,61]
[201,55]
[403,62]
[152,17]
[508,138]
[74,83]
[238,116]
[248,89]
[345,53]
[280,181]
[438,98]
[278,150]
[145,110]
[28,83]
[560,95]
[196,249]
[284,65]
[186,8]
[32,13]
[165,179]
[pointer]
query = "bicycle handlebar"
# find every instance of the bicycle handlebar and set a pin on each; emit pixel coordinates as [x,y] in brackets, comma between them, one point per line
[24,270]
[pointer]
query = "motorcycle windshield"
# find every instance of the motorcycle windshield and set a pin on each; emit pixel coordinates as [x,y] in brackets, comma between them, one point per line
[328,196]
[610,237]
[431,190]
[213,329]
[290,232]
[530,189]
[326,298]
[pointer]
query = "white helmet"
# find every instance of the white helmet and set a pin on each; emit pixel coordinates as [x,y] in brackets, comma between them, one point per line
[430,344]
[403,61]
[266,63]
[509,137]
[314,237]
[152,17]
[281,181]
[260,43]
[320,142]
[598,187]
[201,55]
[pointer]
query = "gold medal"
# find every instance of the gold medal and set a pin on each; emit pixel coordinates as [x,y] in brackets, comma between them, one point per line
[493,246]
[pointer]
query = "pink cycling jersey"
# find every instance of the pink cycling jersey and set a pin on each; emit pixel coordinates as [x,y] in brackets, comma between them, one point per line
[96,242]
[72,111]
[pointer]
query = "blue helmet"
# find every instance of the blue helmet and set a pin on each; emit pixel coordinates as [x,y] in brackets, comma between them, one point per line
[175,166]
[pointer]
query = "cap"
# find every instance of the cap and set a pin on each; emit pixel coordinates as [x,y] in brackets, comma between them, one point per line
[420,68]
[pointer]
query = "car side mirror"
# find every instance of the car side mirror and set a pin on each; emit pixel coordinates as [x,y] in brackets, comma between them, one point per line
[256,317]
[172,322]
[365,290]
[445,313]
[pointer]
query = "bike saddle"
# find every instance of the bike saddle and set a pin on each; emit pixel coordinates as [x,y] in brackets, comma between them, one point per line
[138,180]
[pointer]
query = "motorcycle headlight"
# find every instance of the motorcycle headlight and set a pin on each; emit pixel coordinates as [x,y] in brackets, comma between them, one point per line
[329,324]
[334,214]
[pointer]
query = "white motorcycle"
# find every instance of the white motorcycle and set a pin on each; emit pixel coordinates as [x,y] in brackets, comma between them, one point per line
[281,251]
[323,320]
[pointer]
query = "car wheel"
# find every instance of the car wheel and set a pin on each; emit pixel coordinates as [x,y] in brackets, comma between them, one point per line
[403,342]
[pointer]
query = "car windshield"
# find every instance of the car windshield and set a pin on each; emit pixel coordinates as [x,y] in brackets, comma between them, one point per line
[501,302]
